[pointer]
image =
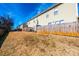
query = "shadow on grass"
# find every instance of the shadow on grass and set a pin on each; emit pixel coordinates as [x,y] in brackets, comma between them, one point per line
[2,38]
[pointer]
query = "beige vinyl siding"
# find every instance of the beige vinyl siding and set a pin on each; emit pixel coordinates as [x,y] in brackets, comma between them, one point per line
[66,12]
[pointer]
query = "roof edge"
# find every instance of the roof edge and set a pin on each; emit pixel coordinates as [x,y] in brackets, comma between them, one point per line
[50,8]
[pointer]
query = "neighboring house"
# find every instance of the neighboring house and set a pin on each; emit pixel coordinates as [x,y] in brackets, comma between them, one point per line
[33,23]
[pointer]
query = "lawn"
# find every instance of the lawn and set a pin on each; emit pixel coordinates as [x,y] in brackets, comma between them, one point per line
[33,44]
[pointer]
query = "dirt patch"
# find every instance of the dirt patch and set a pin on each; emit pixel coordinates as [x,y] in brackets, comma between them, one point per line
[28,44]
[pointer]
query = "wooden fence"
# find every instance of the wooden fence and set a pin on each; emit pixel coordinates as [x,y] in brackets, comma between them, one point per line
[68,29]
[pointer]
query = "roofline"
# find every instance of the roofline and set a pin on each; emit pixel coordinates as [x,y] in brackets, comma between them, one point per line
[50,8]
[45,11]
[21,24]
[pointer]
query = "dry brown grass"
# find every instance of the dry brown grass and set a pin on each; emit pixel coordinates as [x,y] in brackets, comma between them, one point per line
[28,44]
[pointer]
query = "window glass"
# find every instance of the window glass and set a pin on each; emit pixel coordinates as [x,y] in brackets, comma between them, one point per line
[47,16]
[49,23]
[61,21]
[57,22]
[56,12]
[37,21]
[34,21]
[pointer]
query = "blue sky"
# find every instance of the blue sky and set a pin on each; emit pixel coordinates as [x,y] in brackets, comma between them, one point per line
[22,12]
[78,9]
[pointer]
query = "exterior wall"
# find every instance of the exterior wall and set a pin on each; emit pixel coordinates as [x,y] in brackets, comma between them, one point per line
[42,20]
[66,12]
[32,23]
[21,27]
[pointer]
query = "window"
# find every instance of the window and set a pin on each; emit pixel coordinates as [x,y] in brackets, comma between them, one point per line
[61,21]
[56,12]
[57,22]
[49,23]
[37,22]
[47,16]
[34,21]
[28,22]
